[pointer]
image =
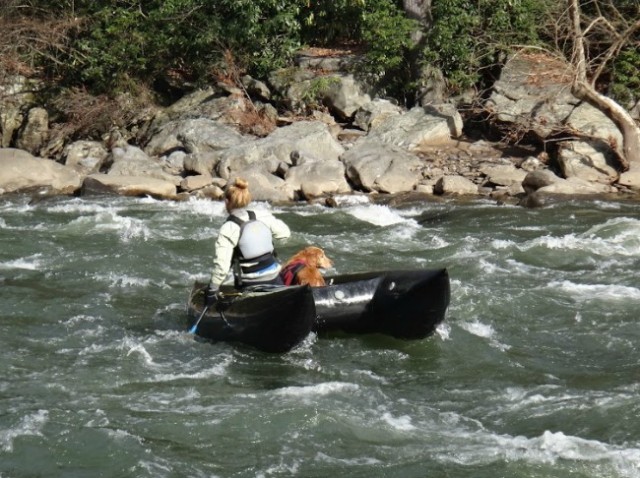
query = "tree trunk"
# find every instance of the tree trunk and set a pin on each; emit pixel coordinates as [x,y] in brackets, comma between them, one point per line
[418,10]
[629,151]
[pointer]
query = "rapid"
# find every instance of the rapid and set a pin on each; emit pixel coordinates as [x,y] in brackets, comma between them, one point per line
[533,373]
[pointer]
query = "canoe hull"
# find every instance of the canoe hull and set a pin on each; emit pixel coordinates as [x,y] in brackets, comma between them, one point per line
[274,321]
[406,304]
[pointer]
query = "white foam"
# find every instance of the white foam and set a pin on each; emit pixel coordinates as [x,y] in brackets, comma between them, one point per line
[318,390]
[606,292]
[619,236]
[123,281]
[218,369]
[483,447]
[351,199]
[122,435]
[78,319]
[485,331]
[29,425]
[81,206]
[377,215]
[443,330]
[402,423]
[479,329]
[363,461]
[138,348]
[30,263]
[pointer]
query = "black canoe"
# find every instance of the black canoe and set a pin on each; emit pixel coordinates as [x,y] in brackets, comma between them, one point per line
[406,304]
[273,320]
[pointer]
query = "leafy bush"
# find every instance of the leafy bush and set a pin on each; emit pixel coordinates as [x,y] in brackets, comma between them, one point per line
[626,76]
[470,36]
[112,45]
[186,37]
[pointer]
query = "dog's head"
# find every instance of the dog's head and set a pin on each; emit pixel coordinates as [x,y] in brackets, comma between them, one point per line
[313,256]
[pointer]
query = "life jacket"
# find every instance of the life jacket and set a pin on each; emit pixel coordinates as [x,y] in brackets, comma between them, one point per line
[289,272]
[254,251]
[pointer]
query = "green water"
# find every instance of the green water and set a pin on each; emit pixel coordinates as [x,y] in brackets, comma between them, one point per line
[534,373]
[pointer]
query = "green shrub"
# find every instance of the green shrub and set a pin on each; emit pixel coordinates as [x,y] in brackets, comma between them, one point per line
[626,76]
[469,36]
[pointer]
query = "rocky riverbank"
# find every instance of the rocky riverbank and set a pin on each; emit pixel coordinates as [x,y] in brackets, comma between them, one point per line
[349,143]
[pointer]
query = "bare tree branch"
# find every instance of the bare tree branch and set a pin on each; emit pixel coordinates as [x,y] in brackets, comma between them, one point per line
[584,89]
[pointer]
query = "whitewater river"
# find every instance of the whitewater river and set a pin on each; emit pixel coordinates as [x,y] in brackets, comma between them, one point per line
[534,373]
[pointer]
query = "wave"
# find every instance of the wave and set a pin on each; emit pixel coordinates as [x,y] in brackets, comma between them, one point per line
[31,424]
[588,292]
[31,263]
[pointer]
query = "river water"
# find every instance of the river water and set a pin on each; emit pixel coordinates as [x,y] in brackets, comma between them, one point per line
[534,373]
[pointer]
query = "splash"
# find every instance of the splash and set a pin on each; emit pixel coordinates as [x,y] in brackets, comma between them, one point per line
[29,425]
[377,215]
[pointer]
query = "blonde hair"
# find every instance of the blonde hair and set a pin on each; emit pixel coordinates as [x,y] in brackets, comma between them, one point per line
[237,195]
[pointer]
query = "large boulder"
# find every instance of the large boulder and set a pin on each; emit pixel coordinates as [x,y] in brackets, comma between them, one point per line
[20,171]
[419,127]
[371,114]
[455,185]
[265,186]
[587,160]
[533,94]
[17,93]
[213,103]
[128,186]
[293,86]
[576,186]
[631,178]
[344,96]
[35,132]
[381,167]
[132,161]
[503,174]
[318,178]
[308,138]
[86,157]
[193,136]
[544,182]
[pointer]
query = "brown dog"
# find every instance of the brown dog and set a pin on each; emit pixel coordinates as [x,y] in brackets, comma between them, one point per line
[304,267]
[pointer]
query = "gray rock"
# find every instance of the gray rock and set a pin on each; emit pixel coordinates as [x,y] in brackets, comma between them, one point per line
[419,128]
[310,139]
[539,179]
[576,186]
[201,163]
[371,114]
[318,178]
[503,174]
[631,178]
[128,186]
[192,183]
[35,132]
[456,185]
[193,135]
[382,167]
[132,161]
[20,171]
[86,157]
[344,95]
[586,161]
[256,88]
[16,94]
